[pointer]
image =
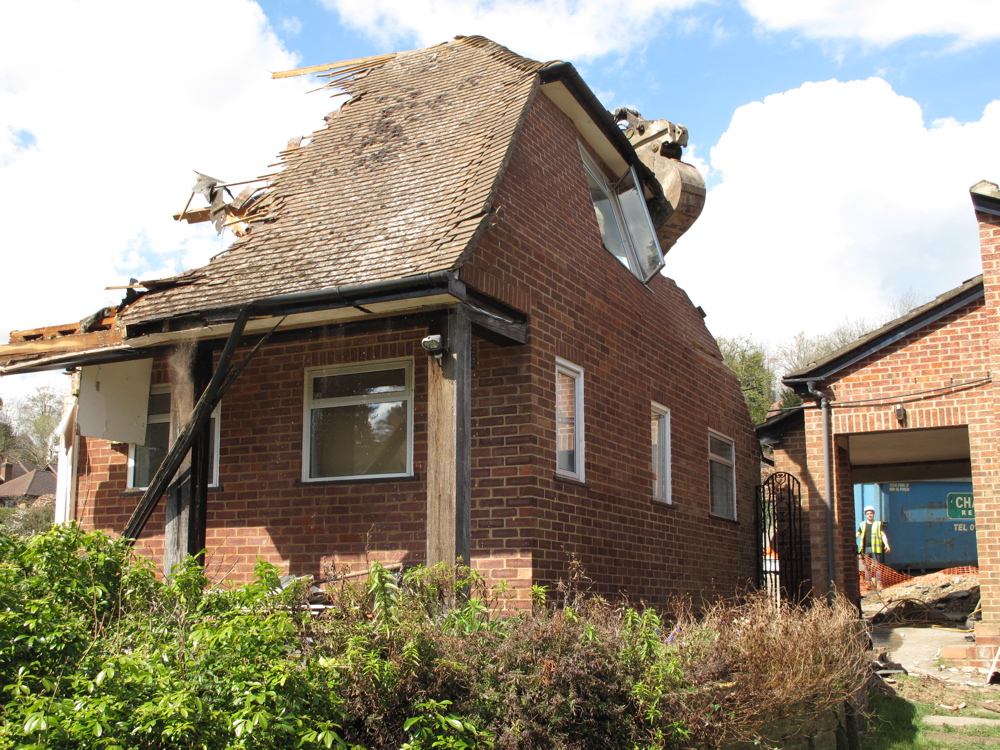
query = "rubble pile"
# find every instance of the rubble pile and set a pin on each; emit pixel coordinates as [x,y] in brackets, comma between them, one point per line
[935,597]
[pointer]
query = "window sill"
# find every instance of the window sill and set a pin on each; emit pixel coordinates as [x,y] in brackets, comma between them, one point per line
[659,501]
[717,517]
[571,480]
[354,480]
[140,491]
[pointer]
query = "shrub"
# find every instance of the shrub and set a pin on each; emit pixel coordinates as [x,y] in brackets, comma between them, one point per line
[95,651]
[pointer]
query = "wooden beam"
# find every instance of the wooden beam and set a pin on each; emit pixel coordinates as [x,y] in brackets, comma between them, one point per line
[360,63]
[197,216]
[186,498]
[64,329]
[449,449]
[499,329]
[74,342]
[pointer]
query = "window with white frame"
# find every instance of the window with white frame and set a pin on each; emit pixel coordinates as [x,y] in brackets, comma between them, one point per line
[144,460]
[660,437]
[623,218]
[569,420]
[722,473]
[359,421]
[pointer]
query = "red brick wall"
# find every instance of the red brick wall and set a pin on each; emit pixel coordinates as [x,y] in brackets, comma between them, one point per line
[636,345]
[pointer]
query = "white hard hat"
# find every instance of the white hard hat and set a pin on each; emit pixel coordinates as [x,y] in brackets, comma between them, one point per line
[869,508]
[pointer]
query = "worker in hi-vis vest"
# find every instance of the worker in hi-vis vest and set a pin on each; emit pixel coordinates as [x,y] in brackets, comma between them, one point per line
[872,543]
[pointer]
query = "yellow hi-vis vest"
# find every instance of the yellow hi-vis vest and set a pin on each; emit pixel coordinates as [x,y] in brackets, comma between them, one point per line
[876,539]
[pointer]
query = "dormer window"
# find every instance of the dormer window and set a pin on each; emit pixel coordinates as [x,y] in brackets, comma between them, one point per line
[626,228]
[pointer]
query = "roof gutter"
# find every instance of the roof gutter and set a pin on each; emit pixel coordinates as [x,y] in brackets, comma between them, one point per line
[346,295]
[800,383]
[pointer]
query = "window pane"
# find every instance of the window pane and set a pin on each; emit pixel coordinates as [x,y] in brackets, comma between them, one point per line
[720,448]
[723,502]
[213,466]
[656,424]
[640,229]
[148,457]
[359,440]
[565,423]
[359,383]
[159,403]
[607,221]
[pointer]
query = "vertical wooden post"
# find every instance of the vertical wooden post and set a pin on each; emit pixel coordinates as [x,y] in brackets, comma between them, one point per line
[186,499]
[449,448]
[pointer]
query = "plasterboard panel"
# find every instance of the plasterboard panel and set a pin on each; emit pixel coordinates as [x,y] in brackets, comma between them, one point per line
[113,401]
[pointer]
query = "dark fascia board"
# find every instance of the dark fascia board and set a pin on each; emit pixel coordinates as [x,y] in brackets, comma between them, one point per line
[566,74]
[986,203]
[889,334]
[347,295]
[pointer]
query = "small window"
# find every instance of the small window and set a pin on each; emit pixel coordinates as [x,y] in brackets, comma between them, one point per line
[624,221]
[722,475]
[660,437]
[359,421]
[569,420]
[144,460]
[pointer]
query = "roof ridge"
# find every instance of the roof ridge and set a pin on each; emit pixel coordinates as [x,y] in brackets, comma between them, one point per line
[504,54]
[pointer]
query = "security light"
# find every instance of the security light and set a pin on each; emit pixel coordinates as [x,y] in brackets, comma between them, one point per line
[433,345]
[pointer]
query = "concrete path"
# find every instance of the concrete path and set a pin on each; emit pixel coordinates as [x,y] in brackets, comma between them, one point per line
[917,649]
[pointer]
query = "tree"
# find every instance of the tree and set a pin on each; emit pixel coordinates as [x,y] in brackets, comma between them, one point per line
[802,350]
[33,420]
[8,438]
[751,363]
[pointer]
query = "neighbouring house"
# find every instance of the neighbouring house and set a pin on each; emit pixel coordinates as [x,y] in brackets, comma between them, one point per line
[442,333]
[914,400]
[25,483]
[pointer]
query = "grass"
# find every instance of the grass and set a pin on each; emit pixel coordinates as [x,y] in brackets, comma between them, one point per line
[896,716]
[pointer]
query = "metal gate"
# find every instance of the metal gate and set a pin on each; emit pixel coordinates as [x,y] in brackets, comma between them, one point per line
[781,560]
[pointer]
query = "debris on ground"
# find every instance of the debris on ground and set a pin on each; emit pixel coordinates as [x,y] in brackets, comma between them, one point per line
[936,597]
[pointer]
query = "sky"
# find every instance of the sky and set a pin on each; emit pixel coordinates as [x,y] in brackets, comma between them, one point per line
[838,138]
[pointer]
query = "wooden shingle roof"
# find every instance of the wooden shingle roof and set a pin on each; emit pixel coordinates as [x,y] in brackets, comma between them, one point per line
[397,184]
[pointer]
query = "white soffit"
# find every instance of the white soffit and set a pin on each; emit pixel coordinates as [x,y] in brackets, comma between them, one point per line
[113,401]
[585,125]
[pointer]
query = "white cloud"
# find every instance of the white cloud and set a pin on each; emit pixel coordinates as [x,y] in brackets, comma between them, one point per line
[881,22]
[291,26]
[106,107]
[566,29]
[834,200]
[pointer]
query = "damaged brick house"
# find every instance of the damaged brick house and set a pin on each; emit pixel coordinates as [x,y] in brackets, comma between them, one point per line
[912,401]
[442,333]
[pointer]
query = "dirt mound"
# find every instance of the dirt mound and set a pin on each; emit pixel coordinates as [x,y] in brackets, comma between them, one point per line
[935,597]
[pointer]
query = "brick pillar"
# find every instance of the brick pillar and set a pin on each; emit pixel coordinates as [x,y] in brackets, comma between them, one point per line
[984,435]
[813,478]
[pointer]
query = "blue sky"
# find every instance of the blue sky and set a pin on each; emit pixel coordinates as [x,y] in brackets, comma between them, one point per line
[838,137]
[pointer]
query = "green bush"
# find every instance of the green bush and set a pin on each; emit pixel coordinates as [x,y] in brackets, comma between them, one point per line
[96,652]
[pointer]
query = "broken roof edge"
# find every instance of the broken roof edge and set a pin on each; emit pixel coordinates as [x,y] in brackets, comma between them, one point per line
[433,289]
[888,334]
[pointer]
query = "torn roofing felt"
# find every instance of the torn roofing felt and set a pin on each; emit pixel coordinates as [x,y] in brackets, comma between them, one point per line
[397,184]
